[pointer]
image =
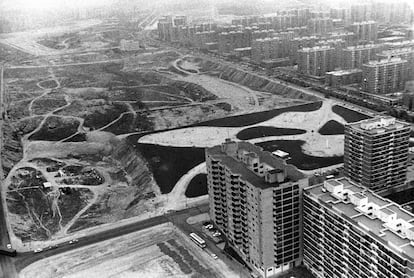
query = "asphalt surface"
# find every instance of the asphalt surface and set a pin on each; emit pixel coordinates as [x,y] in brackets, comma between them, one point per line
[24,259]
[180,221]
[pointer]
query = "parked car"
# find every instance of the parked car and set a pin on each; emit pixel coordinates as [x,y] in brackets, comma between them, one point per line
[214,256]
[216,234]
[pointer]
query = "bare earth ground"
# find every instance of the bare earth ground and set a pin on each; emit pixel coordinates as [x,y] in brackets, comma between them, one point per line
[70,170]
[316,144]
[160,251]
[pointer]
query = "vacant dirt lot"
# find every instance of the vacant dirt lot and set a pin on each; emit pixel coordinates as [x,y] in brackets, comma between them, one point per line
[158,252]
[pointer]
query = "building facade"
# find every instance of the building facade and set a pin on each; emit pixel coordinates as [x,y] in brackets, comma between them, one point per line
[386,76]
[365,30]
[376,152]
[316,61]
[320,26]
[255,202]
[349,231]
[406,53]
[343,77]
[353,57]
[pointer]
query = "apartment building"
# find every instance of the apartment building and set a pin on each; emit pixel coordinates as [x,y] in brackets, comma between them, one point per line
[164,27]
[361,12]
[343,14]
[403,53]
[376,152]
[392,11]
[365,30]
[201,39]
[300,42]
[385,76]
[398,45]
[317,60]
[255,202]
[228,41]
[343,77]
[320,26]
[348,37]
[338,45]
[353,57]
[349,231]
[267,49]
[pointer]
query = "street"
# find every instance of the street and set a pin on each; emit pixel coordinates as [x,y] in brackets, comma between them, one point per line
[24,259]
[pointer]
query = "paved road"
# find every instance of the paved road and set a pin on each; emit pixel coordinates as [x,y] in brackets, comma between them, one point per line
[180,220]
[68,64]
[24,259]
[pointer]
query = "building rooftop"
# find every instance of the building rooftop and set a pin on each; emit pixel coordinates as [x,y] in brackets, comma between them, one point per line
[361,46]
[399,44]
[344,72]
[391,39]
[315,48]
[397,51]
[364,22]
[378,216]
[378,125]
[236,166]
[390,61]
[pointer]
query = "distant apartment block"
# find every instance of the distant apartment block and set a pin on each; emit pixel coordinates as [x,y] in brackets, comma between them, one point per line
[300,42]
[289,19]
[403,53]
[376,152]
[228,41]
[255,201]
[361,12]
[165,25]
[397,45]
[341,13]
[384,77]
[319,14]
[201,39]
[349,231]
[260,34]
[355,56]
[242,52]
[298,31]
[320,26]
[391,39]
[343,77]
[348,37]
[266,49]
[365,30]
[338,45]
[392,11]
[316,61]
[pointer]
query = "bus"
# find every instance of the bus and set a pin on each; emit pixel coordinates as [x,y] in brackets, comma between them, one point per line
[198,240]
[8,251]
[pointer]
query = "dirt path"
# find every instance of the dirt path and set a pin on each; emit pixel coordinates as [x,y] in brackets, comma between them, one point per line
[242,97]
[177,195]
